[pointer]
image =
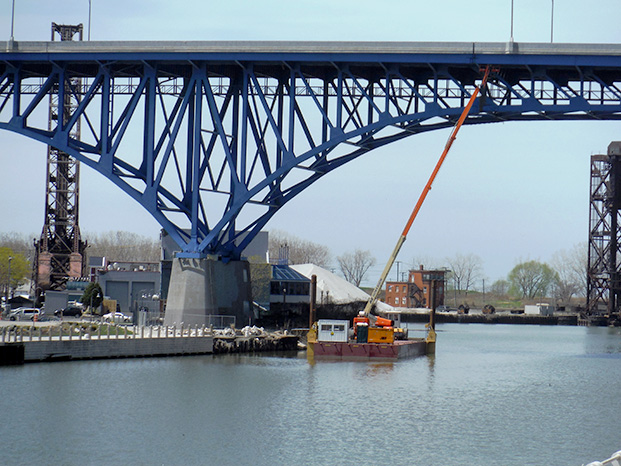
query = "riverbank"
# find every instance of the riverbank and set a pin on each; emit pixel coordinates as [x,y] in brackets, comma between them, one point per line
[496,318]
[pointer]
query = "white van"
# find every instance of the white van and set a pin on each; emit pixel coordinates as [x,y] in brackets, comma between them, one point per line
[25,313]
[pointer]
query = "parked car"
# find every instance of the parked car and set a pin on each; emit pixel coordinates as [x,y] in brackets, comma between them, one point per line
[116,317]
[25,313]
[443,308]
[71,311]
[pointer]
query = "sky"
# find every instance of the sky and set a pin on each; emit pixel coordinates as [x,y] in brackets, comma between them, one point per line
[508,192]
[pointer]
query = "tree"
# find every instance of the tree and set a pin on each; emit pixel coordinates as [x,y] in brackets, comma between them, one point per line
[299,251]
[571,266]
[531,278]
[20,269]
[19,243]
[354,266]
[123,246]
[465,270]
[428,262]
[500,287]
[93,296]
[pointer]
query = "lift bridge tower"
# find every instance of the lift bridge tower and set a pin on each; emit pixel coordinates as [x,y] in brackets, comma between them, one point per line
[604,256]
[59,253]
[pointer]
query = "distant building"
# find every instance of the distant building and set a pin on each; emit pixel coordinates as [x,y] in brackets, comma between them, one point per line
[95,264]
[288,286]
[417,291]
[539,309]
[131,284]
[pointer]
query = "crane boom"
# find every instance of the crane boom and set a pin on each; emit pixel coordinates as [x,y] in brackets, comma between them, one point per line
[393,257]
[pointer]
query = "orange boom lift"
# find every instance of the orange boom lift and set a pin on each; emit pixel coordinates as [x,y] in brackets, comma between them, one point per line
[366,313]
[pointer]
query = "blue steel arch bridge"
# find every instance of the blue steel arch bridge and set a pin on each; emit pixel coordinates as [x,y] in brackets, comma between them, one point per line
[213,138]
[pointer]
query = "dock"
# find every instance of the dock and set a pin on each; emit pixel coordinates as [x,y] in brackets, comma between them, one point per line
[24,343]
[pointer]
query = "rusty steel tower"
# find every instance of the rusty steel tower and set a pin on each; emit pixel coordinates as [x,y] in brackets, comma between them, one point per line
[604,256]
[60,250]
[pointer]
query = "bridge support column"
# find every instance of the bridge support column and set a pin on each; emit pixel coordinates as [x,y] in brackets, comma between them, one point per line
[202,290]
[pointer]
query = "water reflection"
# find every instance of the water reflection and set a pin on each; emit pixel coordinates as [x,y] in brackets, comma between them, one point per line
[602,341]
[498,395]
[379,369]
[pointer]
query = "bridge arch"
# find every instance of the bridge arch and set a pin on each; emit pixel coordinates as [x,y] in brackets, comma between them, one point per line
[231,133]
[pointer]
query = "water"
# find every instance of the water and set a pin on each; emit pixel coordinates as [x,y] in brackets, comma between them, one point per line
[504,395]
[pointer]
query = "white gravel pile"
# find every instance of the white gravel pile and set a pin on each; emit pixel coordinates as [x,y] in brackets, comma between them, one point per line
[334,289]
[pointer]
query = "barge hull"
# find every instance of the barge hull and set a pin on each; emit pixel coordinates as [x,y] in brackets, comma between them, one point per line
[368,351]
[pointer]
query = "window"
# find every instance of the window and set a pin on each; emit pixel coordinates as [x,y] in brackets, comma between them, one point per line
[397,300]
[326,328]
[403,300]
[389,287]
[339,328]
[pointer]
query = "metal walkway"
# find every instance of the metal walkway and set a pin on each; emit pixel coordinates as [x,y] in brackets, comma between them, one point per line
[212,138]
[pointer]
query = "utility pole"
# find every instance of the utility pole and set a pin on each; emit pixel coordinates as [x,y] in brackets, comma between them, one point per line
[8,286]
[511,40]
[552,24]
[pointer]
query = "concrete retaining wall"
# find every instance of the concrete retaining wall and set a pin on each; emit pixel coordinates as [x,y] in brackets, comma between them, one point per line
[113,348]
[22,344]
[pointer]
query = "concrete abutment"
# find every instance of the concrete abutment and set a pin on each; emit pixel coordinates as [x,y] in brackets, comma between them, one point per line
[203,288]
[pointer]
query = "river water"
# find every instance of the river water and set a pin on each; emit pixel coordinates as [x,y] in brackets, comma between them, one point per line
[506,395]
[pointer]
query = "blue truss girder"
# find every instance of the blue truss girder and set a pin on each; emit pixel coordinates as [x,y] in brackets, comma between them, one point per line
[213,143]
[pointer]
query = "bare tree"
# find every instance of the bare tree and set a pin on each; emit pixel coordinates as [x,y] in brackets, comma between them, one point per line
[500,288]
[300,251]
[354,266]
[428,262]
[19,243]
[123,246]
[465,270]
[571,268]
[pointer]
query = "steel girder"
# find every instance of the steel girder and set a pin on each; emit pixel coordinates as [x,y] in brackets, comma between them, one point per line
[213,147]
[604,253]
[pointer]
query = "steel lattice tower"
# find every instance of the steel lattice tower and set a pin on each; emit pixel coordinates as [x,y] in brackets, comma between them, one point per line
[60,250]
[604,256]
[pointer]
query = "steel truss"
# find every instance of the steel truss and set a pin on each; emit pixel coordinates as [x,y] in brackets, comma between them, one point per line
[214,146]
[604,254]
[59,253]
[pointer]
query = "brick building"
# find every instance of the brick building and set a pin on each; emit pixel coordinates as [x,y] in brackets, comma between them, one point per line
[417,291]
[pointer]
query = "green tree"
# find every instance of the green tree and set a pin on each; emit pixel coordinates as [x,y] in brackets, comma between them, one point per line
[532,278]
[20,269]
[92,296]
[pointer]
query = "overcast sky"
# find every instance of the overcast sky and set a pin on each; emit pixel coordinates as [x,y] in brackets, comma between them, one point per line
[507,192]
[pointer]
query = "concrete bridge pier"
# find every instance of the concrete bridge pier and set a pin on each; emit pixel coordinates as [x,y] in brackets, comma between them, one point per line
[201,288]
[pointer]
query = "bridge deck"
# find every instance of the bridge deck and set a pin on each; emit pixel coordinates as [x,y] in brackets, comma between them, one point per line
[309,51]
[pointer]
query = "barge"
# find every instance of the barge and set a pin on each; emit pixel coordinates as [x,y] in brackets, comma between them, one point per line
[334,339]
